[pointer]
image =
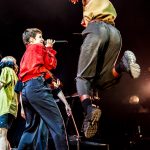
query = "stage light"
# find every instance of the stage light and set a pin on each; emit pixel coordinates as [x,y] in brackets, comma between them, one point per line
[134,100]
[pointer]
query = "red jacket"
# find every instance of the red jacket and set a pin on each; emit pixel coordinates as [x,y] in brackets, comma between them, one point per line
[37,60]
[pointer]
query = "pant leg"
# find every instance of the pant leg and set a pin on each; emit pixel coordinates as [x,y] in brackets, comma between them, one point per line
[41,99]
[27,140]
[42,136]
[105,78]
[96,36]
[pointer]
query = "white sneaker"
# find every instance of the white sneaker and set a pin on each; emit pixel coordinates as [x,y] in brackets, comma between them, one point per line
[129,62]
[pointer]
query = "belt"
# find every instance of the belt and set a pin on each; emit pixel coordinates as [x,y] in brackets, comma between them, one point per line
[96,20]
[99,20]
[39,77]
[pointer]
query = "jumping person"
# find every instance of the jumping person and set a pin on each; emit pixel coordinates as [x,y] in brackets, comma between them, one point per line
[98,67]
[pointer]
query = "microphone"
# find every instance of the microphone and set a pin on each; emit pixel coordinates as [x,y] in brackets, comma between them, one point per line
[57,41]
[61,41]
[77,33]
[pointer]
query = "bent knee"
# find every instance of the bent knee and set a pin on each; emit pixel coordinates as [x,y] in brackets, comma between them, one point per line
[3,132]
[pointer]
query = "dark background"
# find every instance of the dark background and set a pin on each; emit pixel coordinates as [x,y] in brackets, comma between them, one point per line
[60,20]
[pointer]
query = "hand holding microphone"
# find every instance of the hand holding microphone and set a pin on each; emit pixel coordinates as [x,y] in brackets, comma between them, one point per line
[49,43]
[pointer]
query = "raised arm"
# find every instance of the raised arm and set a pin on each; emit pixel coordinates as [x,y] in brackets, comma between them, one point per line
[74,1]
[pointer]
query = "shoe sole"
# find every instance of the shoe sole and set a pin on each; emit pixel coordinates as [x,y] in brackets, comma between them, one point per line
[133,66]
[135,70]
[92,126]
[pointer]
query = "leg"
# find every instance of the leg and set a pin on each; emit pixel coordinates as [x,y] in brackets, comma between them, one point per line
[6,121]
[41,100]
[90,63]
[4,144]
[42,137]
[28,138]
[105,77]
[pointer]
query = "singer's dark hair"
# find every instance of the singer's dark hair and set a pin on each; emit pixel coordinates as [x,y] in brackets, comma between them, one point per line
[30,32]
[7,61]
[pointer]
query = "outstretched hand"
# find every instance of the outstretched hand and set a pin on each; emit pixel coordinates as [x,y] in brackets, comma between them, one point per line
[74,1]
[56,83]
[23,113]
[68,110]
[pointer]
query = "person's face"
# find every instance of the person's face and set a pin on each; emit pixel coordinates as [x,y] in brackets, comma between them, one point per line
[15,66]
[38,39]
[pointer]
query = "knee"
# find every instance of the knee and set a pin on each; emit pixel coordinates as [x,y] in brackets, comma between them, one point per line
[3,132]
[83,81]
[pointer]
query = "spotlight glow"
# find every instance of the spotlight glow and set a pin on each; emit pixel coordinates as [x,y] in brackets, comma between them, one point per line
[134,100]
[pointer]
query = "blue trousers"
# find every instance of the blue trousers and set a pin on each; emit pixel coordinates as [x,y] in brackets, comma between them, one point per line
[39,104]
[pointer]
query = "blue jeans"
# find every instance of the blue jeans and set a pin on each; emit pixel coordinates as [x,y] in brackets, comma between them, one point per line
[42,137]
[39,104]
